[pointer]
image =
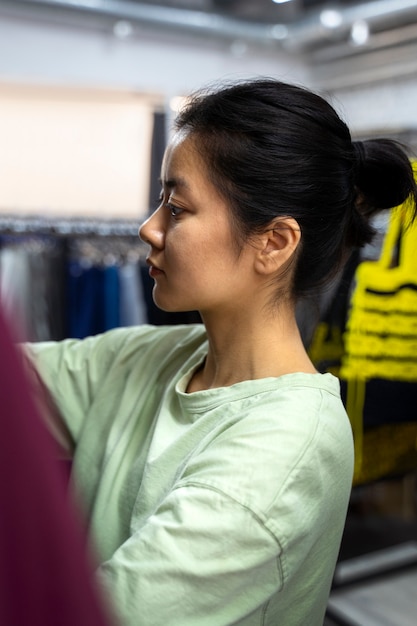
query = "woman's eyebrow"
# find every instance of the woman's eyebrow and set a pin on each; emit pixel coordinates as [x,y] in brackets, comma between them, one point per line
[170,183]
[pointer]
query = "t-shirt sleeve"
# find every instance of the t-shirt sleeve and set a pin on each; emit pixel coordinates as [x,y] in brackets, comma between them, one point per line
[78,374]
[74,371]
[201,558]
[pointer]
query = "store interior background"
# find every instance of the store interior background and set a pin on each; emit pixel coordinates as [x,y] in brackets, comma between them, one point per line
[80,83]
[68,70]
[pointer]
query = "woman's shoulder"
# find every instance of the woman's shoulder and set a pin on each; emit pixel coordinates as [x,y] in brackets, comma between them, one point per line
[295,424]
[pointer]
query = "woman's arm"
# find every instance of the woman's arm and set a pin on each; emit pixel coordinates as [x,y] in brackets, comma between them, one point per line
[201,558]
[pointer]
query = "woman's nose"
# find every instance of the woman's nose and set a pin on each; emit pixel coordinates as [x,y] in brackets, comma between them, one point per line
[151,231]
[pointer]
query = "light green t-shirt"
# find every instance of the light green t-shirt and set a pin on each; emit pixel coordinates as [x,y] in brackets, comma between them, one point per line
[219,507]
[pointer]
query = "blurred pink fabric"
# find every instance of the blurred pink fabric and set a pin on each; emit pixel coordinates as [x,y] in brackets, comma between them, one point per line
[46,578]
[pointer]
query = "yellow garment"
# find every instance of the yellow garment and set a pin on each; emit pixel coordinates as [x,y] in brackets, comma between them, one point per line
[381,337]
[381,334]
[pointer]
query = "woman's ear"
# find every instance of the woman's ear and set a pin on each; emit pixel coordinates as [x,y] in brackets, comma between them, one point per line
[277,245]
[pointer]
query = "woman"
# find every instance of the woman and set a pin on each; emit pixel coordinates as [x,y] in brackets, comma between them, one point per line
[213,461]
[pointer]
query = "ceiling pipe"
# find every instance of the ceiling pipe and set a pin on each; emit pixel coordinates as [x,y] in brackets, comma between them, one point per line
[318,28]
[387,39]
[379,67]
[195,22]
[333,24]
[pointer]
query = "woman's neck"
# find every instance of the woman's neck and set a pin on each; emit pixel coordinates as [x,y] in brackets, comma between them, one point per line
[242,350]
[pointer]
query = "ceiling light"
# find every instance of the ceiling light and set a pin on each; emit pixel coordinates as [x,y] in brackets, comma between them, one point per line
[281,1]
[331,18]
[122,29]
[359,33]
[279,31]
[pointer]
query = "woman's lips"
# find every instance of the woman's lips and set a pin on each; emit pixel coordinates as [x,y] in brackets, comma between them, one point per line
[154,270]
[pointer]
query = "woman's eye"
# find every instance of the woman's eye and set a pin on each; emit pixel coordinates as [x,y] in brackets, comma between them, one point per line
[174,210]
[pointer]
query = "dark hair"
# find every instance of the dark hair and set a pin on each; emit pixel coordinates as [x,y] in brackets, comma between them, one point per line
[275,149]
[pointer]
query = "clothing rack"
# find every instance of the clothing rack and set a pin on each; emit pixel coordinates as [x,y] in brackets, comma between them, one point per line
[76,277]
[36,224]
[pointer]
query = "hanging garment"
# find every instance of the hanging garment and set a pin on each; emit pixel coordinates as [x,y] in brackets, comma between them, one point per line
[45,575]
[32,285]
[15,290]
[132,304]
[379,365]
[93,299]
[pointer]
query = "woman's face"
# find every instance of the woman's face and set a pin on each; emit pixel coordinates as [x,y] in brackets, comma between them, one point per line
[193,257]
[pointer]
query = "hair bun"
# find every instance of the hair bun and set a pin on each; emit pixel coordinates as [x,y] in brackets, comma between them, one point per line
[384,176]
[359,149]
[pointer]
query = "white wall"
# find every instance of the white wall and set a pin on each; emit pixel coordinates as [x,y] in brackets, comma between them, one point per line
[72,151]
[35,50]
